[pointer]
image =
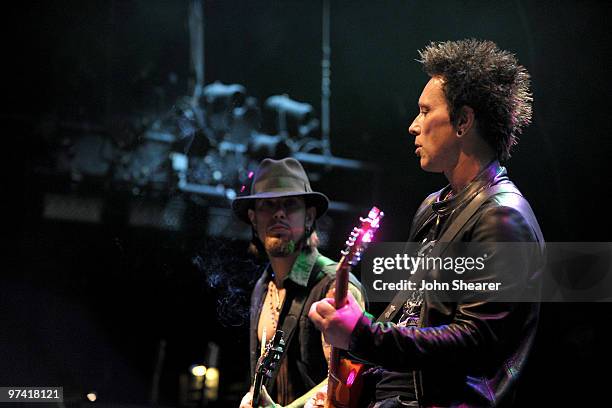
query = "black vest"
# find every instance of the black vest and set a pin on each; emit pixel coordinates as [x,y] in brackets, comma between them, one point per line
[307,364]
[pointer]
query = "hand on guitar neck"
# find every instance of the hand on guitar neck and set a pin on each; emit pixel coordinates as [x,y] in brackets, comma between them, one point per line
[344,376]
[264,401]
[336,324]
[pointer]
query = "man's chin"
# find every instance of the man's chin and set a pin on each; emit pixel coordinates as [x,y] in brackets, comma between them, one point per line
[429,167]
[279,247]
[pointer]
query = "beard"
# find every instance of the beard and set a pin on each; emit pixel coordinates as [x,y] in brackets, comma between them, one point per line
[278,247]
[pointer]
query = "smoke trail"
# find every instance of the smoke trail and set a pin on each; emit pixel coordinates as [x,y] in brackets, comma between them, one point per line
[230,277]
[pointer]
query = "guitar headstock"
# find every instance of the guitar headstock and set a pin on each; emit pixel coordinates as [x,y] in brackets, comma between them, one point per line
[361,236]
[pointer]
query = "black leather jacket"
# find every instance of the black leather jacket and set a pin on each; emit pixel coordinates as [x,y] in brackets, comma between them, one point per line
[466,354]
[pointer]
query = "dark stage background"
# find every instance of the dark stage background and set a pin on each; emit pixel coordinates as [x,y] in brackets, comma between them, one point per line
[86,300]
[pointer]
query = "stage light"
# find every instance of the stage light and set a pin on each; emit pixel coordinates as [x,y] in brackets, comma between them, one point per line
[282,103]
[290,118]
[212,377]
[92,396]
[199,371]
[211,385]
[221,95]
[219,101]
[262,146]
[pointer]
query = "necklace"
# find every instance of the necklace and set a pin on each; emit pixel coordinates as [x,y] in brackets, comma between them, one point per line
[276,302]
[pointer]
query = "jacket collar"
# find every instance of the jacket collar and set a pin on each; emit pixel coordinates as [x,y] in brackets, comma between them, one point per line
[302,267]
[491,174]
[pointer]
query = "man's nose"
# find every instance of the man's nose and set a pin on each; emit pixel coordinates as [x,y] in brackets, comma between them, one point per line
[414,128]
[279,211]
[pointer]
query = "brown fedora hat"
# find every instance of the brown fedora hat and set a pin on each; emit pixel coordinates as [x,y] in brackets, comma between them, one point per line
[279,178]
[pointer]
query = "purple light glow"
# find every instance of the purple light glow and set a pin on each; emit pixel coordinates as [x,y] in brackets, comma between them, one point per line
[351,378]
[373,213]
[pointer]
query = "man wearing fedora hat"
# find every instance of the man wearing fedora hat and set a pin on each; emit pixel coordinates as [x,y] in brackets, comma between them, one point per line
[282,210]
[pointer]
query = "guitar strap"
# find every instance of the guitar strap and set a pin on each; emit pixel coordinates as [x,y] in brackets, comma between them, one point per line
[292,316]
[449,235]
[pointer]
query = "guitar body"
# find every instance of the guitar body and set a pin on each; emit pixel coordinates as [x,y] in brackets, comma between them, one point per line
[344,391]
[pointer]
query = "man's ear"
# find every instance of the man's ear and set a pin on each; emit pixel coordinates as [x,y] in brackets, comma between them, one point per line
[251,215]
[311,213]
[466,120]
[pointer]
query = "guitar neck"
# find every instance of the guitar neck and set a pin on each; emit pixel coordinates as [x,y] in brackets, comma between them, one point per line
[342,282]
[257,389]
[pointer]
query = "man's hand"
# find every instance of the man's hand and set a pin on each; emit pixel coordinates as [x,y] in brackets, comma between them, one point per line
[247,400]
[318,400]
[265,400]
[336,325]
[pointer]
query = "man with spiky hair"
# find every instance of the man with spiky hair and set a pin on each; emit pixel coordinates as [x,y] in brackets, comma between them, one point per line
[470,352]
